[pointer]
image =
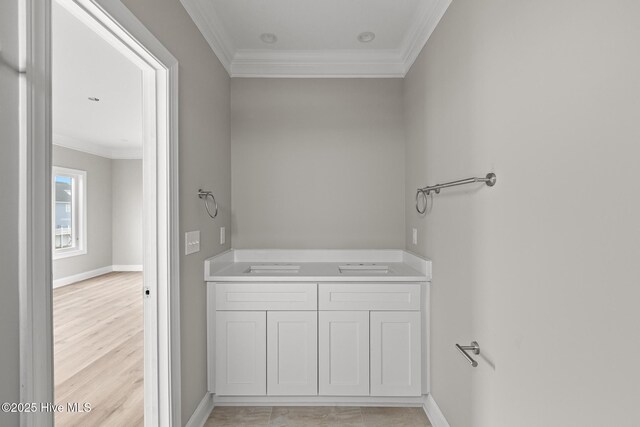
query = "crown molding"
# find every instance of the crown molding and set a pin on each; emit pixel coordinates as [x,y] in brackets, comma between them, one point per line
[308,63]
[212,29]
[427,19]
[96,149]
[390,63]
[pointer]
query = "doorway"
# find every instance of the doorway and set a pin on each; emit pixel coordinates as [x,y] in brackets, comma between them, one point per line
[159,292]
[97,195]
[97,237]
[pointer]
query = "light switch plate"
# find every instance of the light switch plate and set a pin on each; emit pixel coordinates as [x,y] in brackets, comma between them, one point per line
[191,242]
[415,236]
[223,235]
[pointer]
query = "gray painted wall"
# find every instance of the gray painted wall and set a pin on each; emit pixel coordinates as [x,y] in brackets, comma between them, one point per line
[126,191]
[539,92]
[114,212]
[542,269]
[204,163]
[9,141]
[99,201]
[317,163]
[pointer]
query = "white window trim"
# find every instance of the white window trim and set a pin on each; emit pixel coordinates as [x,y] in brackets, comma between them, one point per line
[81,217]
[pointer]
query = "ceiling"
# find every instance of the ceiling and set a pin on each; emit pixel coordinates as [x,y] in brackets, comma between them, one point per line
[85,65]
[316,38]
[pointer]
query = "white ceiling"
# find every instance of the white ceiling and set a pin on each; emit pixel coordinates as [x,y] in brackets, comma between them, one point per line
[316,38]
[85,65]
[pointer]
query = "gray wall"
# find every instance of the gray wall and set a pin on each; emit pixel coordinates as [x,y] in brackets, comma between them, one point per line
[543,268]
[9,141]
[126,209]
[99,236]
[204,163]
[317,163]
[114,212]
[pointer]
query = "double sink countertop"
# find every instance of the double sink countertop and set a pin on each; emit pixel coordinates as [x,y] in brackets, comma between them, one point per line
[247,265]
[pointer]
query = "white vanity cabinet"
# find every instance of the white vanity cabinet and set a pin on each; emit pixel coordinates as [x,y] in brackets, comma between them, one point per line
[370,339]
[266,339]
[266,352]
[316,339]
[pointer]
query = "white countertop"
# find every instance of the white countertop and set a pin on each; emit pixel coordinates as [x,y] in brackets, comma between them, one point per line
[317,266]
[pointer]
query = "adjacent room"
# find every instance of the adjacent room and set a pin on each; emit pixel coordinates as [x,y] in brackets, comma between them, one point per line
[97,226]
[349,213]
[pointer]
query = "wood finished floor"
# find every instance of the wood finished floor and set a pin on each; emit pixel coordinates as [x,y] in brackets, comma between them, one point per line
[99,350]
[307,416]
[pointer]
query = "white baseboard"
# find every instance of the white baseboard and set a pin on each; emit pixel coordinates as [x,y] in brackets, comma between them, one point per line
[64,281]
[202,412]
[127,267]
[69,280]
[317,401]
[434,413]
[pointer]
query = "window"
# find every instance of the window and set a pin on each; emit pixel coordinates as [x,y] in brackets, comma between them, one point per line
[69,212]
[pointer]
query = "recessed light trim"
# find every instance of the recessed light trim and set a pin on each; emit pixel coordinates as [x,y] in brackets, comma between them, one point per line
[93,98]
[268,38]
[366,37]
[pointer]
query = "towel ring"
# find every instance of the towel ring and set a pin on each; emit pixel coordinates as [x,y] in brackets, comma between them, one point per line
[205,195]
[425,197]
[426,202]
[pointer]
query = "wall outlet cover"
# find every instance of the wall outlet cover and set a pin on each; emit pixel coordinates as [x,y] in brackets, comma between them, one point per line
[223,235]
[415,236]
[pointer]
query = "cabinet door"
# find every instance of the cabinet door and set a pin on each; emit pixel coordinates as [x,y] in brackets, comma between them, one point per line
[395,353]
[241,353]
[292,353]
[344,353]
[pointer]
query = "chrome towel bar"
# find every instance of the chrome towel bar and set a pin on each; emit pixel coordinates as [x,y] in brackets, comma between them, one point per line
[206,195]
[474,347]
[489,179]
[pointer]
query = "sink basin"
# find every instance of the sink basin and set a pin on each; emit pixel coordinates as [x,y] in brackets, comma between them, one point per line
[273,269]
[363,268]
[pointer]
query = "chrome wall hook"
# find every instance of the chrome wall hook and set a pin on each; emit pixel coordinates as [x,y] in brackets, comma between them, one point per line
[474,347]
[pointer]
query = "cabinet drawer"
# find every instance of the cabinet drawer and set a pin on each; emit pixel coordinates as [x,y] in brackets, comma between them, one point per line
[369,296]
[266,296]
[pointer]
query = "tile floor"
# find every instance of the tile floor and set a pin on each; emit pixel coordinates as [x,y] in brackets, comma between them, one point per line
[306,416]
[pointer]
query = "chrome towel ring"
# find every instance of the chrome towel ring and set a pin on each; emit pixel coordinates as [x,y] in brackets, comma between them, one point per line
[206,195]
[424,197]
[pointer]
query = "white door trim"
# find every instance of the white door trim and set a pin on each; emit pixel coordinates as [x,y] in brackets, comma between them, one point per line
[112,20]
[35,287]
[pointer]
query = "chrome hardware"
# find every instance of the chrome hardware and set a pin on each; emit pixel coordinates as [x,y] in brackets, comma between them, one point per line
[489,179]
[474,347]
[206,195]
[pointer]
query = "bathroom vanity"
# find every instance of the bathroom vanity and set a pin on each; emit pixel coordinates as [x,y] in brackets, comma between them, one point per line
[319,326]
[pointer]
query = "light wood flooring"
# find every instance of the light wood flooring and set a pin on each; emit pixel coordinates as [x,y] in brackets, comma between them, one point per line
[99,350]
[307,416]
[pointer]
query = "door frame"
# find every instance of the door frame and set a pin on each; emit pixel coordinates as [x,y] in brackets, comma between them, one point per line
[112,20]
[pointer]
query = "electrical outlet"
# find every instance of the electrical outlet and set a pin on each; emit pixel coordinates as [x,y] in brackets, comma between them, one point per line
[191,242]
[223,235]
[415,236]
